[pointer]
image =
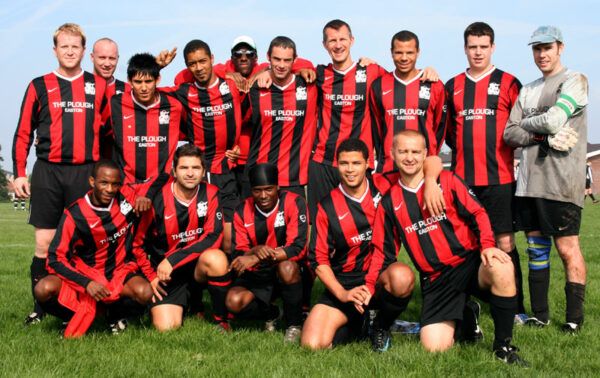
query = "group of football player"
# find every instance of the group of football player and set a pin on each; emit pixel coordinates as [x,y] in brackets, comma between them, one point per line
[219,182]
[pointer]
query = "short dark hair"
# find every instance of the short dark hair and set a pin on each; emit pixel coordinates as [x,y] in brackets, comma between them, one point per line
[143,64]
[194,45]
[104,163]
[479,29]
[188,149]
[335,25]
[405,36]
[411,134]
[283,42]
[351,145]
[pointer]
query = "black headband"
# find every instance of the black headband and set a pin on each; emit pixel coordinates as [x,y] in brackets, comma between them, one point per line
[263,174]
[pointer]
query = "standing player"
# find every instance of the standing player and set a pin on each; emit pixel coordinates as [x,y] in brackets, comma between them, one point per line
[182,234]
[550,122]
[400,100]
[62,111]
[340,254]
[90,258]
[589,180]
[479,103]
[454,252]
[284,119]
[146,125]
[269,240]
[105,56]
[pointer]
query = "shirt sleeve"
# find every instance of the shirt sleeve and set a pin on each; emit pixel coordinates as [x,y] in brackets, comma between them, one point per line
[514,135]
[145,228]
[23,138]
[321,241]
[240,240]
[297,229]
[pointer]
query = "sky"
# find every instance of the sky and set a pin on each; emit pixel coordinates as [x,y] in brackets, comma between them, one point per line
[26,29]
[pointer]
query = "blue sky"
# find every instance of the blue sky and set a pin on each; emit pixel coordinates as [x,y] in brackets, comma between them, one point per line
[150,26]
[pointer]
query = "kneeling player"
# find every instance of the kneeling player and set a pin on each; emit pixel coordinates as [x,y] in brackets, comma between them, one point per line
[340,255]
[88,256]
[181,234]
[455,252]
[270,233]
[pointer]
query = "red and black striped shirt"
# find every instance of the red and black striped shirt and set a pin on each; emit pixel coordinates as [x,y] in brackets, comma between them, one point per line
[433,243]
[116,87]
[214,119]
[180,231]
[478,110]
[285,226]
[398,105]
[284,122]
[66,115]
[343,109]
[145,137]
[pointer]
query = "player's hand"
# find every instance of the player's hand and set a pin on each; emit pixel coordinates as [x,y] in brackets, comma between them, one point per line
[157,289]
[97,291]
[429,74]
[564,139]
[164,270]
[489,254]
[358,296]
[21,186]
[241,263]
[165,57]
[263,79]
[364,62]
[239,80]
[264,253]
[308,75]
[433,197]
[233,154]
[141,204]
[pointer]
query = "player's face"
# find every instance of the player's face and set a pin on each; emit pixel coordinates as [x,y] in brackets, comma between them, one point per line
[352,167]
[243,59]
[479,50]
[188,172]
[200,65]
[144,88]
[409,153]
[338,44]
[69,50]
[547,57]
[405,54]
[265,196]
[105,186]
[105,57]
[282,60]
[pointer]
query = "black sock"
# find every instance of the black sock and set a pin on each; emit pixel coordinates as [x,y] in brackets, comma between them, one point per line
[390,308]
[342,336]
[37,271]
[52,307]
[514,256]
[539,282]
[503,311]
[254,310]
[196,305]
[575,293]
[217,288]
[307,285]
[292,303]
[122,308]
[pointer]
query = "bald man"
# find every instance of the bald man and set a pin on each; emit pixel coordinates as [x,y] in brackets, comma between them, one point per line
[105,56]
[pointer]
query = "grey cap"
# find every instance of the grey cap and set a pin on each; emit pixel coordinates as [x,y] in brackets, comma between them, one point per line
[546,34]
[243,39]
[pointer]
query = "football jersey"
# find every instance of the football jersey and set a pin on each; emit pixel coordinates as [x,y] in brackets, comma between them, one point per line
[116,87]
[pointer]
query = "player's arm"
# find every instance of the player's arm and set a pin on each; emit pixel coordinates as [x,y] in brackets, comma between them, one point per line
[450,117]
[234,153]
[23,138]
[440,117]
[297,231]
[430,74]
[377,114]
[141,194]
[243,256]
[432,193]
[514,135]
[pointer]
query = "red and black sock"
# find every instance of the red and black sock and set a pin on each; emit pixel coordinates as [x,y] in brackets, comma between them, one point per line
[217,288]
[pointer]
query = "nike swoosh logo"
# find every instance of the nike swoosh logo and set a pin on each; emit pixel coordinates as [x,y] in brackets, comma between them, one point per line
[263,94]
[248,224]
[398,207]
[343,216]
[386,92]
[169,216]
[327,78]
[94,225]
[563,228]
[192,94]
[127,117]
[52,90]
[457,92]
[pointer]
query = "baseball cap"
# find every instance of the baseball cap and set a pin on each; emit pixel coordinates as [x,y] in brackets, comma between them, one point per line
[546,34]
[243,39]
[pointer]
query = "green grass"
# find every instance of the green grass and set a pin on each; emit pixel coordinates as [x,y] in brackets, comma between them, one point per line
[198,349]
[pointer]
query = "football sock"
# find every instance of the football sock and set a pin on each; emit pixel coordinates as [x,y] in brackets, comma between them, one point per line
[217,288]
[514,256]
[254,310]
[52,307]
[342,335]
[503,311]
[196,291]
[390,308]
[124,307]
[37,271]
[575,293]
[539,282]
[307,285]
[292,303]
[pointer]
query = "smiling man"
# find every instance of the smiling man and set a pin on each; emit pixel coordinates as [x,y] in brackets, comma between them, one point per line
[105,57]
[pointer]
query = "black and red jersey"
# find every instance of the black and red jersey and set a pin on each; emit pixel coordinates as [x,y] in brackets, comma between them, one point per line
[66,115]
[285,226]
[398,105]
[343,232]
[478,110]
[343,109]
[98,239]
[180,231]
[116,87]
[145,137]
[433,243]
[284,122]
[214,118]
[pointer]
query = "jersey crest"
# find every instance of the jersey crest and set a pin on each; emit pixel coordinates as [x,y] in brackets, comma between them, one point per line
[90,88]
[202,209]
[164,117]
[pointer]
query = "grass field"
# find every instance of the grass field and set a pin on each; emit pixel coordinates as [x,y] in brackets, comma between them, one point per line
[199,349]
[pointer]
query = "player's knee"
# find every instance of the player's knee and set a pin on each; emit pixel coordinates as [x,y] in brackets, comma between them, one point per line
[288,271]
[538,249]
[167,324]
[47,288]
[143,293]
[234,302]
[313,341]
[437,345]
[399,280]
[213,263]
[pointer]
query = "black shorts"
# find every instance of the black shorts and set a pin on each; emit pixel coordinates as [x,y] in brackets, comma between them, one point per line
[322,179]
[551,218]
[177,289]
[355,318]
[444,298]
[228,192]
[498,202]
[53,188]
[243,183]
[261,283]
